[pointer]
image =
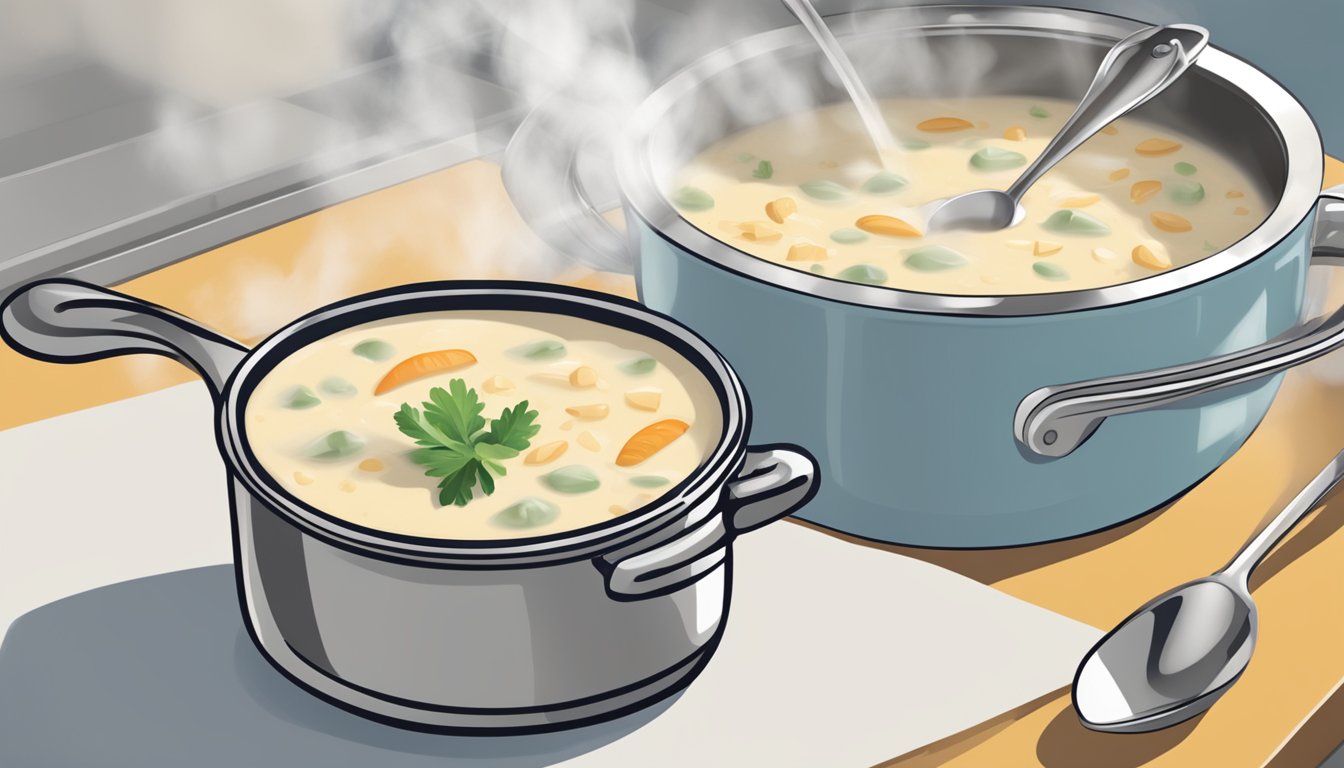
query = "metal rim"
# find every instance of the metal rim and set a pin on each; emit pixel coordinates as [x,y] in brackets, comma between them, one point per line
[1299,141]
[703,483]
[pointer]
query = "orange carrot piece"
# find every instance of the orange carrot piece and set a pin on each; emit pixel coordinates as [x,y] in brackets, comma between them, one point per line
[650,440]
[422,365]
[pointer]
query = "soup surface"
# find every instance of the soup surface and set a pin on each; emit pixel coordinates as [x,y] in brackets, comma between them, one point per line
[808,191]
[612,420]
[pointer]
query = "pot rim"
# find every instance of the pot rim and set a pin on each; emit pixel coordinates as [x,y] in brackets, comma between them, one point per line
[703,483]
[1298,137]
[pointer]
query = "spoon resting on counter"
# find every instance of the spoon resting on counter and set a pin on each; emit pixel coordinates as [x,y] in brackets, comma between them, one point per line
[1175,656]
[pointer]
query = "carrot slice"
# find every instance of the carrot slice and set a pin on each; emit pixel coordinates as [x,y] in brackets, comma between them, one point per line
[650,440]
[422,365]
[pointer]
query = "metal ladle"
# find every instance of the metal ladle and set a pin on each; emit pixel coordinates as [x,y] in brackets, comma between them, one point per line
[1135,70]
[1175,656]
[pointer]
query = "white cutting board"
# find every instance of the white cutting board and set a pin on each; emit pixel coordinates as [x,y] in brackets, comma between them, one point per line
[835,654]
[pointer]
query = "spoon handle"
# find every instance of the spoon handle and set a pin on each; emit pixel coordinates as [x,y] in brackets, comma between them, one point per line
[849,77]
[1135,70]
[1253,551]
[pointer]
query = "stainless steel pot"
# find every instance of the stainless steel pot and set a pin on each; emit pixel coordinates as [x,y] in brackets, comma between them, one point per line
[499,636]
[975,421]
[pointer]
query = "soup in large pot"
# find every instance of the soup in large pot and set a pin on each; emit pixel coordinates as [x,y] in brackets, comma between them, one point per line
[971,390]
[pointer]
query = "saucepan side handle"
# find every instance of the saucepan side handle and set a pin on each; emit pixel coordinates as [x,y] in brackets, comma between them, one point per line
[1053,421]
[774,481]
[540,170]
[68,321]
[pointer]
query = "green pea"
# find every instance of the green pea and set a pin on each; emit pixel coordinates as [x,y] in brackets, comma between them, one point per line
[334,445]
[825,190]
[849,236]
[1038,111]
[884,183]
[572,479]
[692,199]
[547,349]
[915,144]
[335,385]
[1074,222]
[649,481]
[764,170]
[1185,169]
[817,269]
[1050,271]
[996,159]
[374,349]
[639,366]
[934,258]
[864,273]
[529,512]
[1186,191]
[299,398]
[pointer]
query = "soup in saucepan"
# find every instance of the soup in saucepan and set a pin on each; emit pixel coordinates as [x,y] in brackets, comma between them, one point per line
[482,425]
[808,191]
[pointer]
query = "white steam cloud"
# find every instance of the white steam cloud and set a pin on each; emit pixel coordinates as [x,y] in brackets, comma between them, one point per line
[588,62]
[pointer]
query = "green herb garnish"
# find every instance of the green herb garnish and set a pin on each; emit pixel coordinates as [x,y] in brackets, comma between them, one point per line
[455,445]
[764,170]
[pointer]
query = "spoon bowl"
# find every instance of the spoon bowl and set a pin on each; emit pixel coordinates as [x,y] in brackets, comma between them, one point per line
[983,210]
[1182,650]
[1191,644]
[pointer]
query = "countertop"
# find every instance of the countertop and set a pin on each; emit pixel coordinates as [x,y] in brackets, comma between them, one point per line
[458,223]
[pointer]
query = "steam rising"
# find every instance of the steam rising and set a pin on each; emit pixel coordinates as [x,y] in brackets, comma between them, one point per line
[587,62]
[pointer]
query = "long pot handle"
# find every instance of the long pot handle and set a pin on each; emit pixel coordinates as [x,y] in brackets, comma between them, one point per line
[67,321]
[540,170]
[774,481]
[1053,421]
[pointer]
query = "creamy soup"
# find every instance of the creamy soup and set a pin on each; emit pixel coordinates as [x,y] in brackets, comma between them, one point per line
[352,423]
[808,191]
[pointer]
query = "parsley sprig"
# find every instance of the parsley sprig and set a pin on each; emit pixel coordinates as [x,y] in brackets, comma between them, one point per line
[455,444]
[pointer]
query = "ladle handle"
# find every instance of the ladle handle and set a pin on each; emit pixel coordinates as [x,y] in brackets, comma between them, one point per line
[1306,500]
[67,321]
[1135,70]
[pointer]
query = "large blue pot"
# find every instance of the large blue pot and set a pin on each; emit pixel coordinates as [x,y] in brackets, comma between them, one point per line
[941,420]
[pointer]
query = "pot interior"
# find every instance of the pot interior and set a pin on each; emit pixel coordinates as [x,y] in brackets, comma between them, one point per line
[467,297]
[932,53]
[951,52]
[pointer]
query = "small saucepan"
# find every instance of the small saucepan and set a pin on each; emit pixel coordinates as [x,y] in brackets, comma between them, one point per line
[499,636]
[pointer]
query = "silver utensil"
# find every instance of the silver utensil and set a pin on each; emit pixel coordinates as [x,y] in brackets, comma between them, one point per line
[868,110]
[1172,658]
[1135,70]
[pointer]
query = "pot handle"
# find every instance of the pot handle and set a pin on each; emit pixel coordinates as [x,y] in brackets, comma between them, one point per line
[774,481]
[540,170]
[67,321]
[1053,421]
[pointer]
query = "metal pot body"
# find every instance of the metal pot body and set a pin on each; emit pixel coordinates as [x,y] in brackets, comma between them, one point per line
[504,636]
[497,649]
[911,414]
